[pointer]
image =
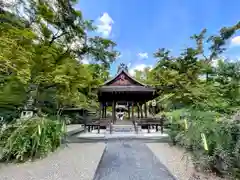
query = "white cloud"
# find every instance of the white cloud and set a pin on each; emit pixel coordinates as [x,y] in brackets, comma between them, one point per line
[235,41]
[215,62]
[139,67]
[143,55]
[85,61]
[105,24]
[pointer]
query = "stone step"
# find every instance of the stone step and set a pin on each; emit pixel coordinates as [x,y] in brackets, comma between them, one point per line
[123,129]
[122,126]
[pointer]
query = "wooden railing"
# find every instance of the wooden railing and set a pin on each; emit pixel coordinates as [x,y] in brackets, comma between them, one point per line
[135,124]
[146,123]
[97,123]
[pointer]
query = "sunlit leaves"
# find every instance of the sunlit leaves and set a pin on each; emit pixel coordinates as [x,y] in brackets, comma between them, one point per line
[182,76]
[15,57]
[45,51]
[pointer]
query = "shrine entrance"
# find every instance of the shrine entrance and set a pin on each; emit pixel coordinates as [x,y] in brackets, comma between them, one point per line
[123,109]
[124,90]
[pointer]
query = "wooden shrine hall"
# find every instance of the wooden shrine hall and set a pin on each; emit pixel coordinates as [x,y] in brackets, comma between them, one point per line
[124,89]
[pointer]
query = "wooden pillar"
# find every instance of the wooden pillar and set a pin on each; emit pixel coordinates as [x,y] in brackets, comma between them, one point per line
[103,106]
[145,109]
[114,111]
[129,111]
[132,110]
[138,109]
[98,127]
[100,109]
[141,110]
[85,119]
[105,111]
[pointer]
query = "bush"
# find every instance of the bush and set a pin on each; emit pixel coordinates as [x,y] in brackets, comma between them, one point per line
[29,139]
[223,140]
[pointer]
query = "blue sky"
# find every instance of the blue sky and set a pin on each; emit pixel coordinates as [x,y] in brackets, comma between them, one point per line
[140,27]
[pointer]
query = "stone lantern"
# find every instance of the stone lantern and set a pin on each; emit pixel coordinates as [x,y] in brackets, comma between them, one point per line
[29,109]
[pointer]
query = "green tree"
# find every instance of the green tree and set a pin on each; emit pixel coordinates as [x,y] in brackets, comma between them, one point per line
[50,43]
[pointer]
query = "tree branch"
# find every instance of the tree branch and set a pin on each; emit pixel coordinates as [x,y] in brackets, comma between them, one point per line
[56,37]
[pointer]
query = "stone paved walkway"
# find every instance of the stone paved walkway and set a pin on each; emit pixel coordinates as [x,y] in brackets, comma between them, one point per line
[75,162]
[130,160]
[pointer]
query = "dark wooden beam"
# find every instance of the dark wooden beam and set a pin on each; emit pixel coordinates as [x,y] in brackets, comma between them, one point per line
[138,109]
[145,109]
[141,110]
[114,111]
[103,110]
[132,110]
[100,109]
[128,111]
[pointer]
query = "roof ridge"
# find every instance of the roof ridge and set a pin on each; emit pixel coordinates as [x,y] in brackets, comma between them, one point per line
[124,71]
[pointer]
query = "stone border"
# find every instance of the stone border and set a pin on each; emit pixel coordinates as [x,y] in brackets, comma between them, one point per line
[98,166]
[76,130]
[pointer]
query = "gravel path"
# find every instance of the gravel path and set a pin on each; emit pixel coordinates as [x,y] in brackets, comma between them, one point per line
[178,163]
[130,160]
[75,162]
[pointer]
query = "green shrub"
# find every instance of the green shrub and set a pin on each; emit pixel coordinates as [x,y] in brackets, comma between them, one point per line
[175,124]
[28,139]
[223,139]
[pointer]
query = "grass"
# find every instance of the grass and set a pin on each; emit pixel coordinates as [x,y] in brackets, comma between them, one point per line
[30,139]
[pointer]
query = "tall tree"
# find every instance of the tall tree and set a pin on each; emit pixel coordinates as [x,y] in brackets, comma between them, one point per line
[50,45]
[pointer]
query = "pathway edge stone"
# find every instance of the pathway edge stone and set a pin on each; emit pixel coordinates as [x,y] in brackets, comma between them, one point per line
[98,166]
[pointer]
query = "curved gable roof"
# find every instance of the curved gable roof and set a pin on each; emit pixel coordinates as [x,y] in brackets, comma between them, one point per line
[123,71]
